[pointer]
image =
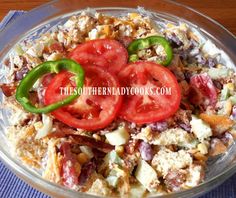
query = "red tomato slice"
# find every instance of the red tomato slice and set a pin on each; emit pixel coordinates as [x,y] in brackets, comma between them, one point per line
[70,174]
[149,108]
[204,91]
[106,53]
[89,112]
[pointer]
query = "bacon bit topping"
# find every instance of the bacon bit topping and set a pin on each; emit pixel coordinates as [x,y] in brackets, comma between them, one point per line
[8,89]
[100,145]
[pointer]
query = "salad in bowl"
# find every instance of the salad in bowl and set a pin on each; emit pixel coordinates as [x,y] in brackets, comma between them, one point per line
[120,106]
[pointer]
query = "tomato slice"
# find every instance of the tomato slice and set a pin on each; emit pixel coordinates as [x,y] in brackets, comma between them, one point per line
[106,53]
[149,107]
[202,90]
[70,174]
[90,111]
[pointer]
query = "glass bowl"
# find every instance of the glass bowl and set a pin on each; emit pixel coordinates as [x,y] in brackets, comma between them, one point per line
[45,17]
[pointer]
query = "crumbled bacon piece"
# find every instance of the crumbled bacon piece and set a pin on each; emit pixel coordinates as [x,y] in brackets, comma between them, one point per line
[217,147]
[56,47]
[131,146]
[8,89]
[70,167]
[86,171]
[174,179]
[100,145]
[183,117]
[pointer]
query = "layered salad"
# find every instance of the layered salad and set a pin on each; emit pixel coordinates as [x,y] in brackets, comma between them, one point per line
[120,106]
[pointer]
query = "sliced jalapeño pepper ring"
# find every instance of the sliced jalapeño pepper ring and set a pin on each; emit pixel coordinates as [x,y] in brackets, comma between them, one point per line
[148,42]
[22,92]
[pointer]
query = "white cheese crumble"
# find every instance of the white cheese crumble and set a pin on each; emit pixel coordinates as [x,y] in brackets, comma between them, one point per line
[71,23]
[195,175]
[93,34]
[210,49]
[18,116]
[54,56]
[160,51]
[125,30]
[201,129]
[47,127]
[84,23]
[180,31]
[36,50]
[60,37]
[18,61]
[175,136]
[166,160]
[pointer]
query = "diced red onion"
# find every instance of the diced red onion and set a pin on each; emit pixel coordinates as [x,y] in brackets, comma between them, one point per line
[145,150]
[185,127]
[21,73]
[159,126]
